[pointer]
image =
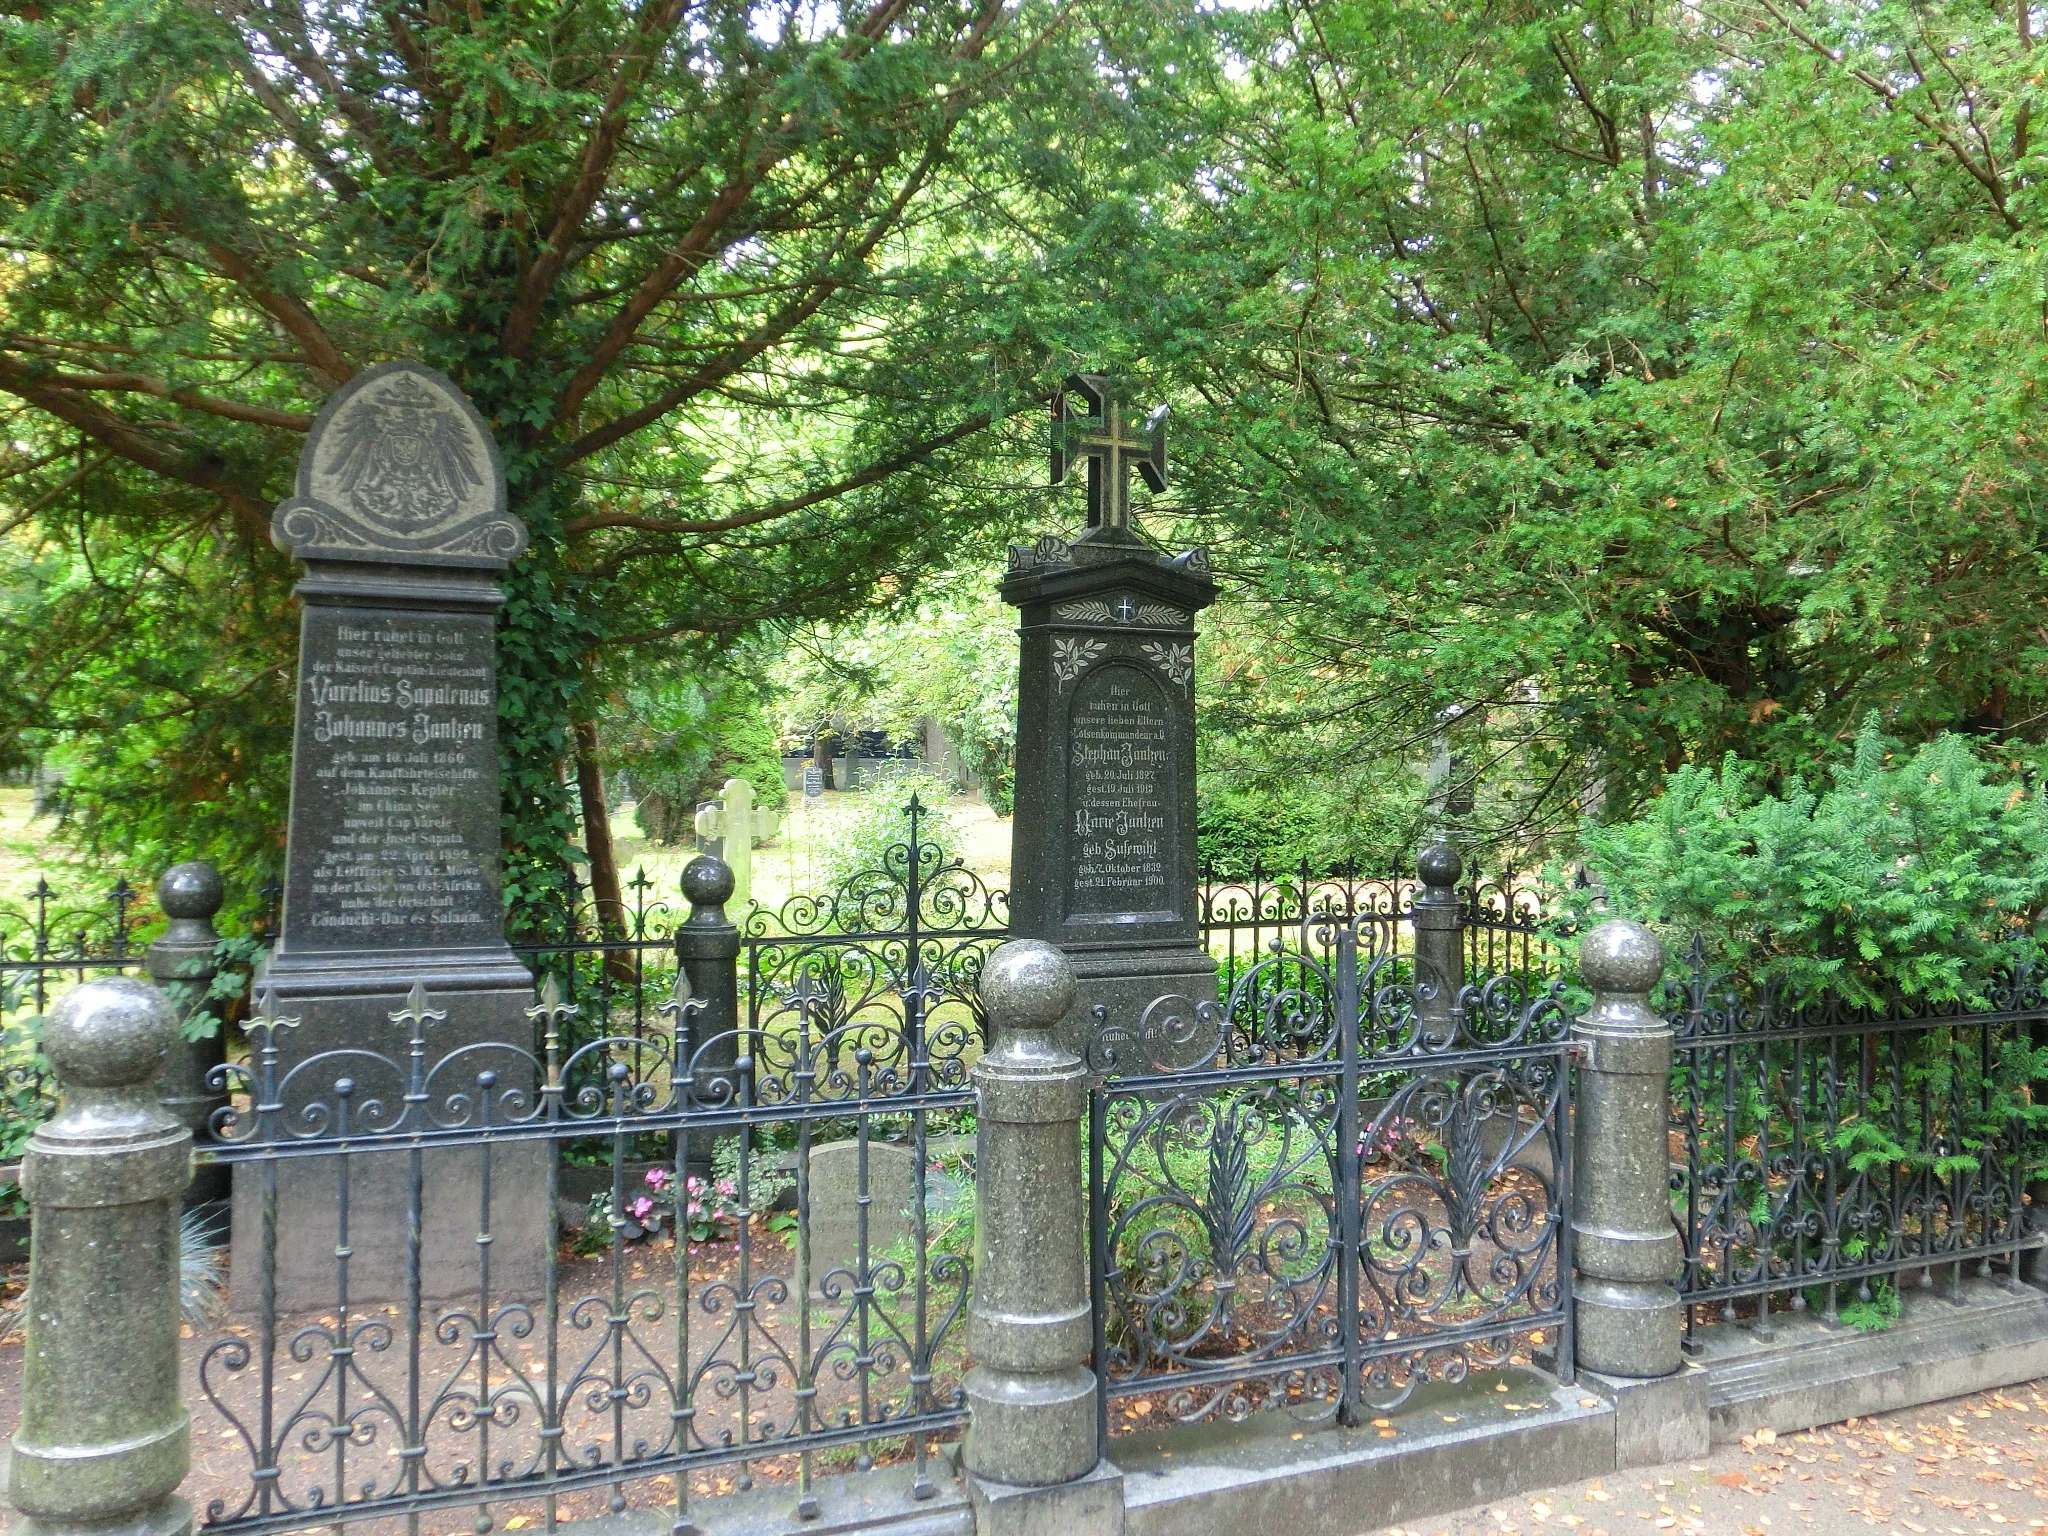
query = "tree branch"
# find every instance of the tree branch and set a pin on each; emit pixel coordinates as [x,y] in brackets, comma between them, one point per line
[824,284]
[682,257]
[287,311]
[657,19]
[1894,102]
[879,470]
[205,472]
[144,384]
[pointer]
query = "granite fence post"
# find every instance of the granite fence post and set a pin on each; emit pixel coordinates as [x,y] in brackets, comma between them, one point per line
[707,949]
[1031,1451]
[181,962]
[104,1437]
[1624,1245]
[1439,940]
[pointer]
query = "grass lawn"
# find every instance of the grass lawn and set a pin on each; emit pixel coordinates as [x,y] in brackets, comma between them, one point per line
[787,865]
[29,848]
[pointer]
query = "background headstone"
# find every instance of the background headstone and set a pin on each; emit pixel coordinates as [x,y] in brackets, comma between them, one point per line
[710,825]
[1103,857]
[835,1189]
[392,860]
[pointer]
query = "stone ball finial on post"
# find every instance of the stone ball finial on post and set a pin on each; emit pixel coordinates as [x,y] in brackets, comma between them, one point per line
[1620,958]
[1026,988]
[1440,866]
[1030,1395]
[103,1442]
[190,893]
[1625,1247]
[707,885]
[182,962]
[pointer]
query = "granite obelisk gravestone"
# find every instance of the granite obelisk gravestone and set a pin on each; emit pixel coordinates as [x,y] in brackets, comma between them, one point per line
[392,863]
[1103,848]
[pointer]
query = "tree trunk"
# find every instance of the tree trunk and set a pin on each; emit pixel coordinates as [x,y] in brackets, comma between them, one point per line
[605,892]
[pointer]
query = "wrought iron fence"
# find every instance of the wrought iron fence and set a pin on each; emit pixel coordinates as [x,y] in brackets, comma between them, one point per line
[47,940]
[46,937]
[615,965]
[1503,916]
[1343,1181]
[628,1370]
[1824,1147]
[901,945]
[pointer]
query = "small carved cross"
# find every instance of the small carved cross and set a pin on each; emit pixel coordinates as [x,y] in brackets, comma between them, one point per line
[1103,437]
[1126,610]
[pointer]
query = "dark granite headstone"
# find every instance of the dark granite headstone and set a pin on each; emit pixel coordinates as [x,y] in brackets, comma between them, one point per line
[392,863]
[1103,860]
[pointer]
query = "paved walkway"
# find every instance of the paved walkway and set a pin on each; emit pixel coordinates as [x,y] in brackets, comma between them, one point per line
[1973,1466]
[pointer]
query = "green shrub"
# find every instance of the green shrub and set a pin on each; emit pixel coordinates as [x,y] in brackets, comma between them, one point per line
[21,1109]
[1915,869]
[681,739]
[860,842]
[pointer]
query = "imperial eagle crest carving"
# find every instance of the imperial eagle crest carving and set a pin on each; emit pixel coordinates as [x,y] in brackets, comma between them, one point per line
[399,467]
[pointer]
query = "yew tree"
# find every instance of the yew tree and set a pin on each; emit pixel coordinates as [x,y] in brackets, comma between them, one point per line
[718,274]
[1610,386]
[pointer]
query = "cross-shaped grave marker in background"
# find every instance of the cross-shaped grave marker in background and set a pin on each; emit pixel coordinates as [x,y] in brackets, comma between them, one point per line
[736,822]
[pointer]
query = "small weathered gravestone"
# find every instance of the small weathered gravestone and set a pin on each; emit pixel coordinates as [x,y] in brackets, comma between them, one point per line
[835,1208]
[392,859]
[1103,860]
[835,1192]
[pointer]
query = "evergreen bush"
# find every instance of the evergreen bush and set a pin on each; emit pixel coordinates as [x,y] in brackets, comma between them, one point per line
[1915,870]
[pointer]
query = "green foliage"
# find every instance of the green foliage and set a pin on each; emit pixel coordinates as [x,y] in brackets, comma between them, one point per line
[952,658]
[680,737]
[1915,870]
[1639,386]
[1878,1313]
[21,1110]
[1285,824]
[950,1214]
[1588,395]
[741,295]
[235,960]
[873,836]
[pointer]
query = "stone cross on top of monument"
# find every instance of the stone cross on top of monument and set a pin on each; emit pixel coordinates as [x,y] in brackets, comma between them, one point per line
[1103,436]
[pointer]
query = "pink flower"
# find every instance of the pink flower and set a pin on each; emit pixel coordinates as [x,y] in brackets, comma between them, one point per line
[694,1186]
[695,1209]
[727,1187]
[657,1178]
[641,1209]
